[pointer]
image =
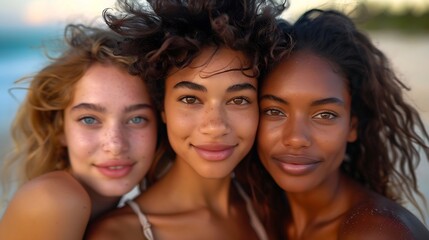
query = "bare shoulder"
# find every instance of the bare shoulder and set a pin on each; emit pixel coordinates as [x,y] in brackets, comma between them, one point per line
[51,206]
[56,187]
[380,218]
[121,223]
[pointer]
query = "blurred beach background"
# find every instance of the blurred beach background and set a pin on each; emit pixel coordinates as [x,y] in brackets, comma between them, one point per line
[29,27]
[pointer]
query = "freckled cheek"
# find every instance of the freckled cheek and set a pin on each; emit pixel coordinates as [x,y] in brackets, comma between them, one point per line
[81,145]
[182,123]
[144,142]
[245,122]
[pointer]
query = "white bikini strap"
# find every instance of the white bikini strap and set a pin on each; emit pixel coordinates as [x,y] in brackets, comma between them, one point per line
[143,220]
[254,220]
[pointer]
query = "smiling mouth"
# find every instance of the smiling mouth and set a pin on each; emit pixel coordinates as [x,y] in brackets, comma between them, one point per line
[296,165]
[214,152]
[115,171]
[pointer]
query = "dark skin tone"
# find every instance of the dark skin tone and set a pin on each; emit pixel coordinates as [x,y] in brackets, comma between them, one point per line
[305,125]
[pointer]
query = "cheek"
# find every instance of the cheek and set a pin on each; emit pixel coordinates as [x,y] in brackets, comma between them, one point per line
[333,145]
[269,132]
[245,123]
[180,124]
[80,147]
[145,142]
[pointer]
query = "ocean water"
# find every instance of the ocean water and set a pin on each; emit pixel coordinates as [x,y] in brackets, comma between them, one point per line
[22,54]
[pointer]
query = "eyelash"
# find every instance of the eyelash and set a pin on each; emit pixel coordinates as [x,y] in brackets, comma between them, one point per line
[270,111]
[275,112]
[143,120]
[95,121]
[246,100]
[185,99]
[83,120]
[331,115]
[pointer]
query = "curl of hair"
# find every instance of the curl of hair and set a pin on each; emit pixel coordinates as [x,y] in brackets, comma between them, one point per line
[168,34]
[39,120]
[391,134]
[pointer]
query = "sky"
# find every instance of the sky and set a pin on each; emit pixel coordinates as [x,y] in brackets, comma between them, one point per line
[36,13]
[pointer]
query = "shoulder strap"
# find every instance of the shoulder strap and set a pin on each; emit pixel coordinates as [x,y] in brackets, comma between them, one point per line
[254,220]
[143,220]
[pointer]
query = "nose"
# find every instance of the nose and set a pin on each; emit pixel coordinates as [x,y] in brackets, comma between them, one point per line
[214,121]
[115,141]
[296,133]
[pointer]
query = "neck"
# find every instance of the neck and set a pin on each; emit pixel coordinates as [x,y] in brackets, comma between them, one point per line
[321,204]
[101,204]
[196,191]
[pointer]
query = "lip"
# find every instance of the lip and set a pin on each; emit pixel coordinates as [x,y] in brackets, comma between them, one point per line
[296,164]
[214,152]
[115,169]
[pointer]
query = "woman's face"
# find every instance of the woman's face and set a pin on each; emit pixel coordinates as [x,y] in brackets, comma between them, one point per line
[211,113]
[305,122]
[110,130]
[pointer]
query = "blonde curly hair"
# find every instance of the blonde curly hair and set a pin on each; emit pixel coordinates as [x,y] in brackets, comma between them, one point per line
[40,118]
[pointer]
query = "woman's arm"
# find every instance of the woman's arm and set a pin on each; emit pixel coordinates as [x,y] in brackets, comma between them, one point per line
[53,206]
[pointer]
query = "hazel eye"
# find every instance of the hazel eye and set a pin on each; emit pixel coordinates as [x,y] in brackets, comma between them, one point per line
[88,120]
[273,112]
[325,115]
[189,100]
[239,101]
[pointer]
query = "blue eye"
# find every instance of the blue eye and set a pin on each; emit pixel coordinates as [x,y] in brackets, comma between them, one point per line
[137,120]
[88,120]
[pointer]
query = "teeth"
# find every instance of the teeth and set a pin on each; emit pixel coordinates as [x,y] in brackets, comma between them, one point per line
[115,167]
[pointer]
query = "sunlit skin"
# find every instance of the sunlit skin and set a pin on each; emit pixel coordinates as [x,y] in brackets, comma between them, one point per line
[110,131]
[110,134]
[211,117]
[305,125]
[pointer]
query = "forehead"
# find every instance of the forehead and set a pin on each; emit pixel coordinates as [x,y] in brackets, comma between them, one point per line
[103,81]
[214,61]
[305,71]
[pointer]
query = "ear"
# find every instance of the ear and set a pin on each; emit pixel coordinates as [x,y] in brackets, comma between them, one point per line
[353,130]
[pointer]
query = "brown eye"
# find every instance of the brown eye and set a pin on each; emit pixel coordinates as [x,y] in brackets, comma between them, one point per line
[273,112]
[189,100]
[239,101]
[326,115]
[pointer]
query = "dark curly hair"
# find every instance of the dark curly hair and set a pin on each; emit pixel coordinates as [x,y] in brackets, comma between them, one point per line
[167,34]
[170,34]
[391,134]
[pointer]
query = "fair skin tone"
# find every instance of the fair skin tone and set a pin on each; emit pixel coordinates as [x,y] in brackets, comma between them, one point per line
[305,125]
[110,132]
[211,121]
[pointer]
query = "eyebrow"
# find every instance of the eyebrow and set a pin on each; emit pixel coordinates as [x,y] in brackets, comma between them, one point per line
[273,98]
[136,107]
[89,106]
[330,100]
[198,87]
[101,109]
[240,87]
[190,85]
